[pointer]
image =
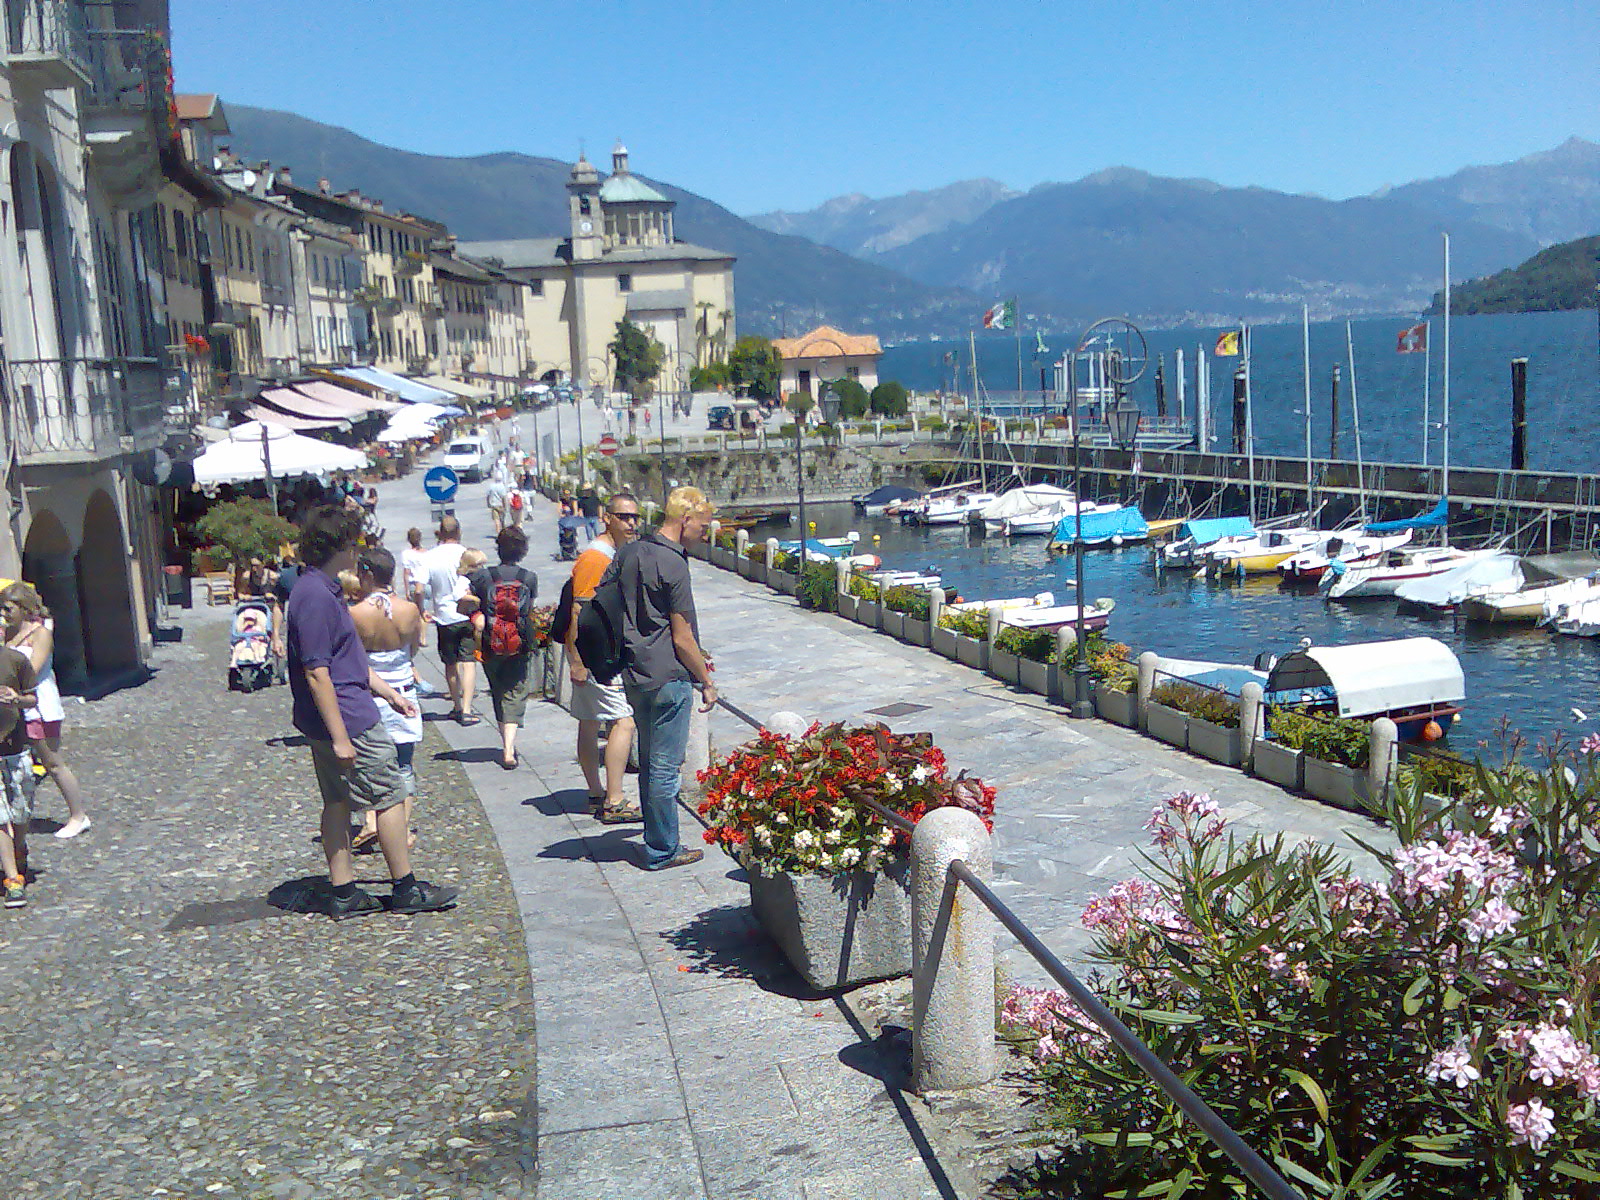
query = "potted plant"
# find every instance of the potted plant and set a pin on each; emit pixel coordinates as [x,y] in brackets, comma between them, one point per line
[241,530]
[1213,720]
[868,597]
[756,554]
[1164,720]
[1274,759]
[911,605]
[722,553]
[782,578]
[828,876]
[969,633]
[1116,682]
[1336,752]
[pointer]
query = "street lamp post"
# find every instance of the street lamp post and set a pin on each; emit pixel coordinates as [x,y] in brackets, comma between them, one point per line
[1124,423]
[797,407]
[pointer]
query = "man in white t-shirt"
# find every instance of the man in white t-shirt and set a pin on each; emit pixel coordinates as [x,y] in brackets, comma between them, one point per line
[457,648]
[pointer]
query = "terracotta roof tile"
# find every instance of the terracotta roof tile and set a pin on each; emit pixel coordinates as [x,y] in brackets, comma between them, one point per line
[195,106]
[827,342]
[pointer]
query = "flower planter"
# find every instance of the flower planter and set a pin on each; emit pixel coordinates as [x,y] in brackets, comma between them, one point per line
[1042,679]
[723,557]
[1167,724]
[1219,743]
[944,642]
[1278,764]
[700,550]
[847,606]
[837,930]
[743,565]
[1003,664]
[972,653]
[867,613]
[1120,708]
[758,571]
[892,623]
[1336,784]
[916,632]
[781,581]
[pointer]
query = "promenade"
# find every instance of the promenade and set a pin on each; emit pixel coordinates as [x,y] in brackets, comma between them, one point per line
[577,1028]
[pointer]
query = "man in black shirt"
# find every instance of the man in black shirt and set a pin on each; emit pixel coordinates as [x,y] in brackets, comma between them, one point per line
[589,510]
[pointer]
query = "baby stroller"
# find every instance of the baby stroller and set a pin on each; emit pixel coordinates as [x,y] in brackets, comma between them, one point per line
[251,663]
[567,535]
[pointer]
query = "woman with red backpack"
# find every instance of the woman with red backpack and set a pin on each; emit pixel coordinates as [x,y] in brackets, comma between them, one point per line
[505,599]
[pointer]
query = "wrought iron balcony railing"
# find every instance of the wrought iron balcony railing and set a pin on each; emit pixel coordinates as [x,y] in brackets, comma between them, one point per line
[49,38]
[82,410]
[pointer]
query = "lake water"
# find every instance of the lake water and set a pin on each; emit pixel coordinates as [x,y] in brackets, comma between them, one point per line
[1530,677]
[1562,349]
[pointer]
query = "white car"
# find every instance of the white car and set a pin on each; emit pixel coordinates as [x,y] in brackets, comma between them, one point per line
[469,458]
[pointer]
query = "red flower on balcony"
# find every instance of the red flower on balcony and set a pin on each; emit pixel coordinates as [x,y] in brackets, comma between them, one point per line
[196,344]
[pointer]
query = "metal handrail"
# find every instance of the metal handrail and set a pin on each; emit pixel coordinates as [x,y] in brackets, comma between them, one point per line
[1197,1110]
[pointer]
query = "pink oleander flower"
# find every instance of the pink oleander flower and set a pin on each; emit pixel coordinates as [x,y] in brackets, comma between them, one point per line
[1494,918]
[1453,1065]
[1531,1124]
[1429,870]
[1055,1018]
[1590,744]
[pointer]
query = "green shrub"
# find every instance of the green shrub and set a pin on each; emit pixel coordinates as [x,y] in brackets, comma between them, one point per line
[724,539]
[1440,774]
[239,530]
[863,588]
[786,431]
[935,425]
[913,601]
[1331,739]
[1035,645]
[819,585]
[1206,703]
[785,561]
[889,399]
[756,552]
[967,624]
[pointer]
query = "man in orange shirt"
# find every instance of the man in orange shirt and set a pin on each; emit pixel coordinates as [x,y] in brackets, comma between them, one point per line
[594,702]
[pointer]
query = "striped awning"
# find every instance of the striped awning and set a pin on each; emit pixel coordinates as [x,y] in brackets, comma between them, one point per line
[283,420]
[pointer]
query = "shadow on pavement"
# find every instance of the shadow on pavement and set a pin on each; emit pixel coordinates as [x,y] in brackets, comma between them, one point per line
[611,846]
[472,754]
[729,942]
[567,802]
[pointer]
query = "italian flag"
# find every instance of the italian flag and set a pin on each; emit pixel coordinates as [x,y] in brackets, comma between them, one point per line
[1001,316]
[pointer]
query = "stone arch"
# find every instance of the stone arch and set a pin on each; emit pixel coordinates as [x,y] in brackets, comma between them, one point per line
[48,562]
[110,634]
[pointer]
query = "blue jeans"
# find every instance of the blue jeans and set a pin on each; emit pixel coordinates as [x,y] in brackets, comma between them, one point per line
[662,717]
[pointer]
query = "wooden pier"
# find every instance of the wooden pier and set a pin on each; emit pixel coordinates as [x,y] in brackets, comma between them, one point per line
[1531,510]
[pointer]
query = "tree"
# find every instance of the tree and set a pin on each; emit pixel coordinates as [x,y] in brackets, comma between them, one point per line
[889,399]
[852,397]
[709,378]
[799,404]
[638,357]
[244,529]
[754,366]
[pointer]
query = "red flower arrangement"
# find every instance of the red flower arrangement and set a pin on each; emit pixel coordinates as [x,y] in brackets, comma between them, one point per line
[795,803]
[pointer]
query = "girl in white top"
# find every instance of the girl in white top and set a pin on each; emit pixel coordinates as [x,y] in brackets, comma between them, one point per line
[391,629]
[28,628]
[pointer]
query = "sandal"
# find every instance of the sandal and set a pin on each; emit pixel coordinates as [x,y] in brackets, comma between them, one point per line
[596,804]
[364,843]
[625,815]
[468,718]
[516,761]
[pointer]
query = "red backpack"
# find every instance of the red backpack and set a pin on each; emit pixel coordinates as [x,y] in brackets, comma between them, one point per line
[510,599]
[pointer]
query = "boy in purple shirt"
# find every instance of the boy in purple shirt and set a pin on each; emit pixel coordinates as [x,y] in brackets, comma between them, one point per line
[333,688]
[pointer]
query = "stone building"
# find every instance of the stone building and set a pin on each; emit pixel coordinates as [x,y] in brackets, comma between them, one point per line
[826,354]
[620,258]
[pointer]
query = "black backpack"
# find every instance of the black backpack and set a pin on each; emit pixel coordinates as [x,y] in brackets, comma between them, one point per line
[600,639]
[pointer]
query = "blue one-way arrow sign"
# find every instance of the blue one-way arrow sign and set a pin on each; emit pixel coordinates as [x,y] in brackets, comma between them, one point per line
[440,483]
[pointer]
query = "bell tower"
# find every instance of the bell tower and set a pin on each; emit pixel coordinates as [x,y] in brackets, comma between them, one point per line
[583,202]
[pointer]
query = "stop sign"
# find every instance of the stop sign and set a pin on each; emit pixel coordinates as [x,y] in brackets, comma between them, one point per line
[607,445]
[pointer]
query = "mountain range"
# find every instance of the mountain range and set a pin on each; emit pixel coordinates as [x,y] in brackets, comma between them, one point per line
[925,263]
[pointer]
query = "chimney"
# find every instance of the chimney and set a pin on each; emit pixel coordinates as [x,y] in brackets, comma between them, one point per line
[353,196]
[325,187]
[284,176]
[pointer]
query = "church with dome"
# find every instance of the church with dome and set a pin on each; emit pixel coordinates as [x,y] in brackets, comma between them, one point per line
[620,258]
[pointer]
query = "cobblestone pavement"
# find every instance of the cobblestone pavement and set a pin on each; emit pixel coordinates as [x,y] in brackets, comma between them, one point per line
[168,1033]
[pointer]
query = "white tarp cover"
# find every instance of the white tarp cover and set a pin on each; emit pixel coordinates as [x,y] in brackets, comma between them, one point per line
[1371,678]
[1455,585]
[1024,501]
[237,457]
[414,421]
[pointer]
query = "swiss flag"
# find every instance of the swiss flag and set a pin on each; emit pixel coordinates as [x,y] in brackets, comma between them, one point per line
[1413,340]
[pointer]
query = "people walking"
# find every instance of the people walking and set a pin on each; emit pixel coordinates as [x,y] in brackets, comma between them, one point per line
[455,641]
[593,702]
[505,596]
[30,629]
[589,510]
[334,686]
[16,775]
[413,566]
[391,630]
[495,498]
[664,665]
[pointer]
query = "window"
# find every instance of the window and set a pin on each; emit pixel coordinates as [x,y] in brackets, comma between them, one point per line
[322,334]
[625,282]
[583,205]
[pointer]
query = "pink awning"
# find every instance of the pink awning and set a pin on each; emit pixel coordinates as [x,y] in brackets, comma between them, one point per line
[271,416]
[332,393]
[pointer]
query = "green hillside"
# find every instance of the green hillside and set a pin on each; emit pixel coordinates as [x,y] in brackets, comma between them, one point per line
[1554,280]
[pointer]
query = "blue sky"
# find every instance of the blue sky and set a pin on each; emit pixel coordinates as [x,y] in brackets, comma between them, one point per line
[759,105]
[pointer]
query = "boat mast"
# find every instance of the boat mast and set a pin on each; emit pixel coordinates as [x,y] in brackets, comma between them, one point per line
[1249,421]
[977,399]
[1427,372]
[1444,484]
[1355,416]
[1305,347]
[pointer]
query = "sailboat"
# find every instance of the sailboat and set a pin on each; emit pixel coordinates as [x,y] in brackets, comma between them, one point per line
[1353,548]
[1539,584]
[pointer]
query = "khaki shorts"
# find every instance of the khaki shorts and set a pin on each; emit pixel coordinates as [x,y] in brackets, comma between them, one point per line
[373,782]
[16,790]
[508,680]
[596,701]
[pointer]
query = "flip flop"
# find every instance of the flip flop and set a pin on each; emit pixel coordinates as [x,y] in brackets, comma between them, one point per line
[596,804]
[516,761]
[364,843]
[620,816]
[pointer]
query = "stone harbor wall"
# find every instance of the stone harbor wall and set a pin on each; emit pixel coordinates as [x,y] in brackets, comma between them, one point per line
[755,477]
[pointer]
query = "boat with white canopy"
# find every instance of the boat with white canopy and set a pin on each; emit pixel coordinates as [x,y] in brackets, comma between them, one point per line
[1442,592]
[1538,583]
[1020,503]
[1412,681]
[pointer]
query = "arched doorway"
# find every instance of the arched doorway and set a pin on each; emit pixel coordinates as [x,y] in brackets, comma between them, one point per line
[49,564]
[110,635]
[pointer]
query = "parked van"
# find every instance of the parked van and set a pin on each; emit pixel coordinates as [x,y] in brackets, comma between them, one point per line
[469,457]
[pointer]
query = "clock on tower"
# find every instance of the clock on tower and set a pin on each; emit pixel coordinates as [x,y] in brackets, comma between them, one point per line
[583,201]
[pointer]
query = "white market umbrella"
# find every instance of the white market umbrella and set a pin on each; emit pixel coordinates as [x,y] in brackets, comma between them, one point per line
[238,457]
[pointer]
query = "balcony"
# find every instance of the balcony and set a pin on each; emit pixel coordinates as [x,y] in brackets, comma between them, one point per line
[71,412]
[127,117]
[409,263]
[47,42]
[432,311]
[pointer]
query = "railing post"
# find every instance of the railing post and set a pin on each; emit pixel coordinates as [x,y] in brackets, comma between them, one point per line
[772,556]
[1148,661]
[1385,735]
[952,955]
[935,608]
[1250,722]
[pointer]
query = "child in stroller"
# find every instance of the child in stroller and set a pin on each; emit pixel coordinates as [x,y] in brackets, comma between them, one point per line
[251,663]
[567,536]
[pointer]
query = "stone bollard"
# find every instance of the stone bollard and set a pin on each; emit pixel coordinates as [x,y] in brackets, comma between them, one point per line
[996,618]
[1251,721]
[1066,663]
[711,534]
[952,955]
[741,543]
[880,428]
[772,556]
[697,750]
[841,574]
[935,607]
[1148,662]
[1385,735]
[789,724]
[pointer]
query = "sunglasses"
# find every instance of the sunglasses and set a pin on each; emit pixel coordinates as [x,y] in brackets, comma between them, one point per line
[624,516]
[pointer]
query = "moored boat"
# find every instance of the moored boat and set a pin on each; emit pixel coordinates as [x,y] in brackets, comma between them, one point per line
[1020,504]
[880,499]
[1346,546]
[1396,567]
[1195,536]
[1099,525]
[1258,555]
[1415,682]
[1538,584]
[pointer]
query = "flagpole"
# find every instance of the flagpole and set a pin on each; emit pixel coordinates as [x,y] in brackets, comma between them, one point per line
[1444,486]
[1177,362]
[1355,415]
[1305,348]
[977,399]
[1427,371]
[1202,400]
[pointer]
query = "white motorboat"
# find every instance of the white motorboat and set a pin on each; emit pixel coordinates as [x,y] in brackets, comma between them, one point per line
[1260,554]
[890,579]
[947,505]
[1539,584]
[1048,520]
[1396,567]
[1441,593]
[1350,547]
[1196,536]
[1040,612]
[1576,618]
[1020,503]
